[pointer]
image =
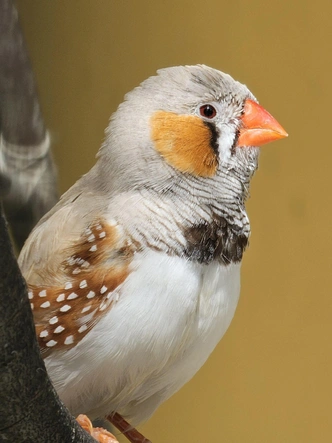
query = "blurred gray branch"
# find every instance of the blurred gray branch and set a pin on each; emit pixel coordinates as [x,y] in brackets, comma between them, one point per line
[27,170]
[30,410]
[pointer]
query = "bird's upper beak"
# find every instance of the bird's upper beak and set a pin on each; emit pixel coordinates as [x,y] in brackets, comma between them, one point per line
[258,126]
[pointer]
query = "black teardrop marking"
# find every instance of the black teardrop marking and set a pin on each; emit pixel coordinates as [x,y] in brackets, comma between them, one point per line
[214,131]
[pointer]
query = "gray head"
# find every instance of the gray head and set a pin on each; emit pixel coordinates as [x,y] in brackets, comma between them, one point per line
[183,146]
[130,158]
[182,124]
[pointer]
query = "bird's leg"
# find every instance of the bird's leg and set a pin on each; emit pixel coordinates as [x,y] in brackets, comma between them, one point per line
[126,429]
[99,434]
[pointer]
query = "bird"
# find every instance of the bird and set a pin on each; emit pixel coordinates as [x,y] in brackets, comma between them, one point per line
[134,276]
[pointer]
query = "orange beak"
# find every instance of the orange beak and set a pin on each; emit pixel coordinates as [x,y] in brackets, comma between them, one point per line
[258,126]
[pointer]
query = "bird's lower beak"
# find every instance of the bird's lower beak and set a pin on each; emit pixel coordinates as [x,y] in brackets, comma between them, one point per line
[258,126]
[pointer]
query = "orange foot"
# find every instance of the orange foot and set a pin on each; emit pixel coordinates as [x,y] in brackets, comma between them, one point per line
[126,429]
[98,434]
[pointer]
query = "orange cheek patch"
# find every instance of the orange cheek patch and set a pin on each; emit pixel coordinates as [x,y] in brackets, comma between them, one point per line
[185,143]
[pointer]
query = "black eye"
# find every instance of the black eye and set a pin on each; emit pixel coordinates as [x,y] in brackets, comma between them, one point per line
[207,111]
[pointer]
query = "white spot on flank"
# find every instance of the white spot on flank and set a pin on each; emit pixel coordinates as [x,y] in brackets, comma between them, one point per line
[71,261]
[83,284]
[72,296]
[102,234]
[86,309]
[88,317]
[43,334]
[93,248]
[53,320]
[82,328]
[91,294]
[86,264]
[68,285]
[98,227]
[88,231]
[51,343]
[103,306]
[65,308]
[46,304]
[109,295]
[30,295]
[32,306]
[103,289]
[76,271]
[42,293]
[60,298]
[91,238]
[59,329]
[69,340]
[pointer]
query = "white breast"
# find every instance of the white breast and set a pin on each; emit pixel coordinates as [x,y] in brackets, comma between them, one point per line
[169,316]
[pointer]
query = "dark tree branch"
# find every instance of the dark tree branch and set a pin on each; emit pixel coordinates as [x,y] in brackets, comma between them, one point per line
[30,410]
[25,156]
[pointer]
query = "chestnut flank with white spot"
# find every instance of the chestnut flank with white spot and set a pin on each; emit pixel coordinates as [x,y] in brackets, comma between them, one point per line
[65,313]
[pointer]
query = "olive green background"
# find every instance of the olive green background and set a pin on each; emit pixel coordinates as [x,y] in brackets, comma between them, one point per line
[269,380]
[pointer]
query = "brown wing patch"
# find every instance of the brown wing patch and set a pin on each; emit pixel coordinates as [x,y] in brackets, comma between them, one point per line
[185,142]
[99,242]
[91,282]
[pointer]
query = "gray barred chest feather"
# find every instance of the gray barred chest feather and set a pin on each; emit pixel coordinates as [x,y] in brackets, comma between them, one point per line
[199,235]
